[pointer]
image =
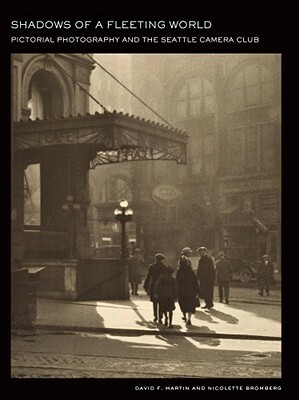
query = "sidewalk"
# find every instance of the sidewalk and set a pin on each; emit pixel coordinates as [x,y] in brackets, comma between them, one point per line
[135,317]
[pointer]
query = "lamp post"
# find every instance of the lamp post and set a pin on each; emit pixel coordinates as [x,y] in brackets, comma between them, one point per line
[71,209]
[123,215]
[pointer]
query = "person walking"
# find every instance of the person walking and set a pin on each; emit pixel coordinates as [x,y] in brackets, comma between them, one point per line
[166,293]
[223,271]
[265,275]
[136,263]
[187,286]
[153,273]
[206,276]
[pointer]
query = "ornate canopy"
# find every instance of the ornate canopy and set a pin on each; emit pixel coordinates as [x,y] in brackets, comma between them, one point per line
[110,137]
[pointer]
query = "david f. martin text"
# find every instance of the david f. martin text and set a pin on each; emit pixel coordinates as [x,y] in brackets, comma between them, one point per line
[221,388]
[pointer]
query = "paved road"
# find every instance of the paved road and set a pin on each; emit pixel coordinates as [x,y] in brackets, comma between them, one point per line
[51,353]
[107,356]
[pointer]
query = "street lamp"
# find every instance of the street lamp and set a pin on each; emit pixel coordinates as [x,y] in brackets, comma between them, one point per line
[71,209]
[123,215]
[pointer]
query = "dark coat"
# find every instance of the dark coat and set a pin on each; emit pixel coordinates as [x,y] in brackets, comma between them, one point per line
[136,264]
[153,273]
[187,288]
[223,270]
[265,273]
[206,276]
[166,286]
[165,291]
[183,261]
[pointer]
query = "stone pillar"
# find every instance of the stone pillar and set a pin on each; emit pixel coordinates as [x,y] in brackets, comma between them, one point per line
[65,173]
[17,212]
[80,190]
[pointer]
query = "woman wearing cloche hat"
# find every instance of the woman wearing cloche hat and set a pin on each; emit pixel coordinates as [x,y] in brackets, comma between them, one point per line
[187,285]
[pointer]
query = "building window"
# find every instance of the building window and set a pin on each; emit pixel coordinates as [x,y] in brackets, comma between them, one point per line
[236,152]
[208,155]
[32,211]
[251,149]
[268,201]
[273,247]
[267,140]
[251,87]
[195,98]
[45,98]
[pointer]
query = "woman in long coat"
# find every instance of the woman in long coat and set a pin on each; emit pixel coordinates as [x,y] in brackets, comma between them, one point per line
[187,289]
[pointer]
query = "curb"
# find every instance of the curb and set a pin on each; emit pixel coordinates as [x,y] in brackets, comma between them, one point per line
[139,332]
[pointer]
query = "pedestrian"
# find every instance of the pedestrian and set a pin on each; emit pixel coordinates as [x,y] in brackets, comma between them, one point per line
[136,264]
[154,271]
[265,275]
[223,270]
[187,286]
[166,293]
[185,255]
[206,276]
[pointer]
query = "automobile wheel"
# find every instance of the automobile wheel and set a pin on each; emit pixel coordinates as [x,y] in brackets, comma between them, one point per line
[245,275]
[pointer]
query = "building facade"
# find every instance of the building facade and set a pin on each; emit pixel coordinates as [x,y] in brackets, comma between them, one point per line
[227,197]
[55,144]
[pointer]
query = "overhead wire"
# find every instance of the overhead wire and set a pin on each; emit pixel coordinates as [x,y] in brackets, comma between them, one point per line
[130,91]
[78,84]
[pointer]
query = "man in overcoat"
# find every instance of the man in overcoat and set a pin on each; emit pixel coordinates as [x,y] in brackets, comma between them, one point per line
[223,272]
[136,264]
[265,275]
[153,273]
[206,276]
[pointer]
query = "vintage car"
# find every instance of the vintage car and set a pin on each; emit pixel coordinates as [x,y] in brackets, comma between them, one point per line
[244,270]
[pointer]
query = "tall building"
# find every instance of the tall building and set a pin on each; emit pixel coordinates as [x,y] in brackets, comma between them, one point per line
[228,195]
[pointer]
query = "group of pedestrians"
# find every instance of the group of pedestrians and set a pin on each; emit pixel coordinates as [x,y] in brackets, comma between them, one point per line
[188,287]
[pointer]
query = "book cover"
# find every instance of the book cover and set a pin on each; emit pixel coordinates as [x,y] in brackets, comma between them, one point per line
[136,133]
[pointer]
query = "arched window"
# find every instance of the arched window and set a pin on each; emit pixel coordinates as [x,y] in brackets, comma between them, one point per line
[45,96]
[252,86]
[195,98]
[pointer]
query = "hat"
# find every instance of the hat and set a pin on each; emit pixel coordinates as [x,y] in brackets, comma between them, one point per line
[159,256]
[221,253]
[265,256]
[186,250]
[202,248]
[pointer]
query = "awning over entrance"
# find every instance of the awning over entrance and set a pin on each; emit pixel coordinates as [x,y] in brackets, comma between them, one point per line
[111,137]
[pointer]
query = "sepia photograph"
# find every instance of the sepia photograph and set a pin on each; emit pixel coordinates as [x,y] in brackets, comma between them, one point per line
[146,218]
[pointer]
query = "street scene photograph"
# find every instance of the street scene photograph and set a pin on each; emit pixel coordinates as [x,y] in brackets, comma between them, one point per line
[146,216]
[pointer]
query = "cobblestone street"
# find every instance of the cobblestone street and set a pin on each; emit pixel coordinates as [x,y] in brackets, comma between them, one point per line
[98,356]
[69,366]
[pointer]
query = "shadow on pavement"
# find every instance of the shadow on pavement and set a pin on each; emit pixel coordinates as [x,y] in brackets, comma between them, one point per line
[225,317]
[191,341]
